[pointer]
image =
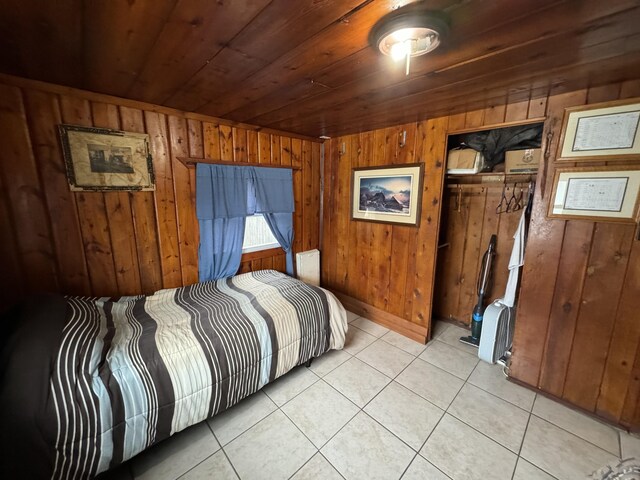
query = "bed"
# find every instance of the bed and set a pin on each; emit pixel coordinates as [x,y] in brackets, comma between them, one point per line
[88,383]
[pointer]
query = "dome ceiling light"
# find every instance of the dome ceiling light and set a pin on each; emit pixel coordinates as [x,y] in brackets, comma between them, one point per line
[408,32]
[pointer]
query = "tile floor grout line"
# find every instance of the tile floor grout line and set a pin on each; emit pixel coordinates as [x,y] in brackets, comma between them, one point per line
[498,396]
[297,394]
[572,433]
[327,441]
[225,453]
[524,435]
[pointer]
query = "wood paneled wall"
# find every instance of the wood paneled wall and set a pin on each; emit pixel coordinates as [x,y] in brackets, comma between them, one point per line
[577,332]
[122,243]
[390,267]
[393,267]
[577,329]
[467,223]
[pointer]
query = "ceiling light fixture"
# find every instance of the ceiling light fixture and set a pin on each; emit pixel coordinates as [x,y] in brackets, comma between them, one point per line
[409,32]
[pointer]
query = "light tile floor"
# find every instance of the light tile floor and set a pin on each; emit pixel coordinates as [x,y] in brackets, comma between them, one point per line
[387,407]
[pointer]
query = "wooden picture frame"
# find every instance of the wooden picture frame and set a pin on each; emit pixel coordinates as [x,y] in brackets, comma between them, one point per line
[387,194]
[100,159]
[603,194]
[604,131]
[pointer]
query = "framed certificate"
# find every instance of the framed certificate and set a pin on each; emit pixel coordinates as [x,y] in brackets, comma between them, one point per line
[597,193]
[610,130]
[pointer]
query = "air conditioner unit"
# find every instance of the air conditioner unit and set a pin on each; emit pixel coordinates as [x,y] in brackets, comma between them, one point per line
[497,332]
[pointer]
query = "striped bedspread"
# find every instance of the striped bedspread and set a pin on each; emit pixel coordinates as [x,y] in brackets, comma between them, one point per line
[131,372]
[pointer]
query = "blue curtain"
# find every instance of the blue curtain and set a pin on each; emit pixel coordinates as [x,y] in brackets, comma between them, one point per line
[225,195]
[274,200]
[222,200]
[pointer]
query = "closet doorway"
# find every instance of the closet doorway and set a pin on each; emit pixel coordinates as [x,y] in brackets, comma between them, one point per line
[479,201]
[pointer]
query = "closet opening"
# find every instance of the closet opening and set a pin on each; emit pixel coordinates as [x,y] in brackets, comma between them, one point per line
[491,174]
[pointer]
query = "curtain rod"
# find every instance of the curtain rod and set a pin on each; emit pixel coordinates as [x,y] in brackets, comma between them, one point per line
[190,162]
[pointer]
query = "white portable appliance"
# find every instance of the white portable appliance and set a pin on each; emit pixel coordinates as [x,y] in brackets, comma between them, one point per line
[499,317]
[497,331]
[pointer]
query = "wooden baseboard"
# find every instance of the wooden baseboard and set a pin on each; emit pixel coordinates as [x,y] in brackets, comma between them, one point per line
[386,319]
[611,421]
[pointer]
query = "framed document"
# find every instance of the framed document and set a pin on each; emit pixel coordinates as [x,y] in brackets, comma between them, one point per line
[598,193]
[610,130]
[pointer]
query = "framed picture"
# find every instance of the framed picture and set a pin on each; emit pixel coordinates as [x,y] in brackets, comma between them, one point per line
[387,194]
[599,193]
[610,130]
[104,159]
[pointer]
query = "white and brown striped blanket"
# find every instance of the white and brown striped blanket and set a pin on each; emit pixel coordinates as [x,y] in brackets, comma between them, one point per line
[128,373]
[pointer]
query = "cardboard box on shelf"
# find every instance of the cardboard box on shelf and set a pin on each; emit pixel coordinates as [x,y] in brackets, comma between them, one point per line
[464,161]
[522,161]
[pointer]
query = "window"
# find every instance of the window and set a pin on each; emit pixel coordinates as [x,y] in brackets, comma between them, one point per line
[257,235]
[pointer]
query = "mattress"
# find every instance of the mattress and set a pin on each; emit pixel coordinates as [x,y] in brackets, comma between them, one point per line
[89,383]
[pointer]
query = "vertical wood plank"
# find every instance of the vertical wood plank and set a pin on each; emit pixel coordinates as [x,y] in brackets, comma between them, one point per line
[352,235]
[188,233]
[119,216]
[24,194]
[427,244]
[341,213]
[211,140]
[450,257]
[537,107]
[419,143]
[516,111]
[618,375]
[327,199]
[384,150]
[494,115]
[12,281]
[472,251]
[603,93]
[252,146]
[43,114]
[566,305]
[94,223]
[196,143]
[240,153]
[264,148]
[601,292]
[275,150]
[298,188]
[363,229]
[457,121]
[308,206]
[285,152]
[226,143]
[144,216]
[542,258]
[314,225]
[474,119]
[164,200]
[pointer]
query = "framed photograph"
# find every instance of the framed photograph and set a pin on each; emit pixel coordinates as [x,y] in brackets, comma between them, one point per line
[390,194]
[608,193]
[610,129]
[104,159]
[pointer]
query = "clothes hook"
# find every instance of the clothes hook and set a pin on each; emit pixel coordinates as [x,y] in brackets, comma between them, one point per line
[343,149]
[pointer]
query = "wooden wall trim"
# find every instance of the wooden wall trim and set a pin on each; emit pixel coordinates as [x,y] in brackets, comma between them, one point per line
[28,83]
[386,319]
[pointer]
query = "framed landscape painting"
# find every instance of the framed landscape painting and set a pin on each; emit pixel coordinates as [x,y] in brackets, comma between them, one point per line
[103,159]
[390,194]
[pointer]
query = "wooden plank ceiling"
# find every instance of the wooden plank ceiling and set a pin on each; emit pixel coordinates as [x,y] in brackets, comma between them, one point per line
[304,66]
